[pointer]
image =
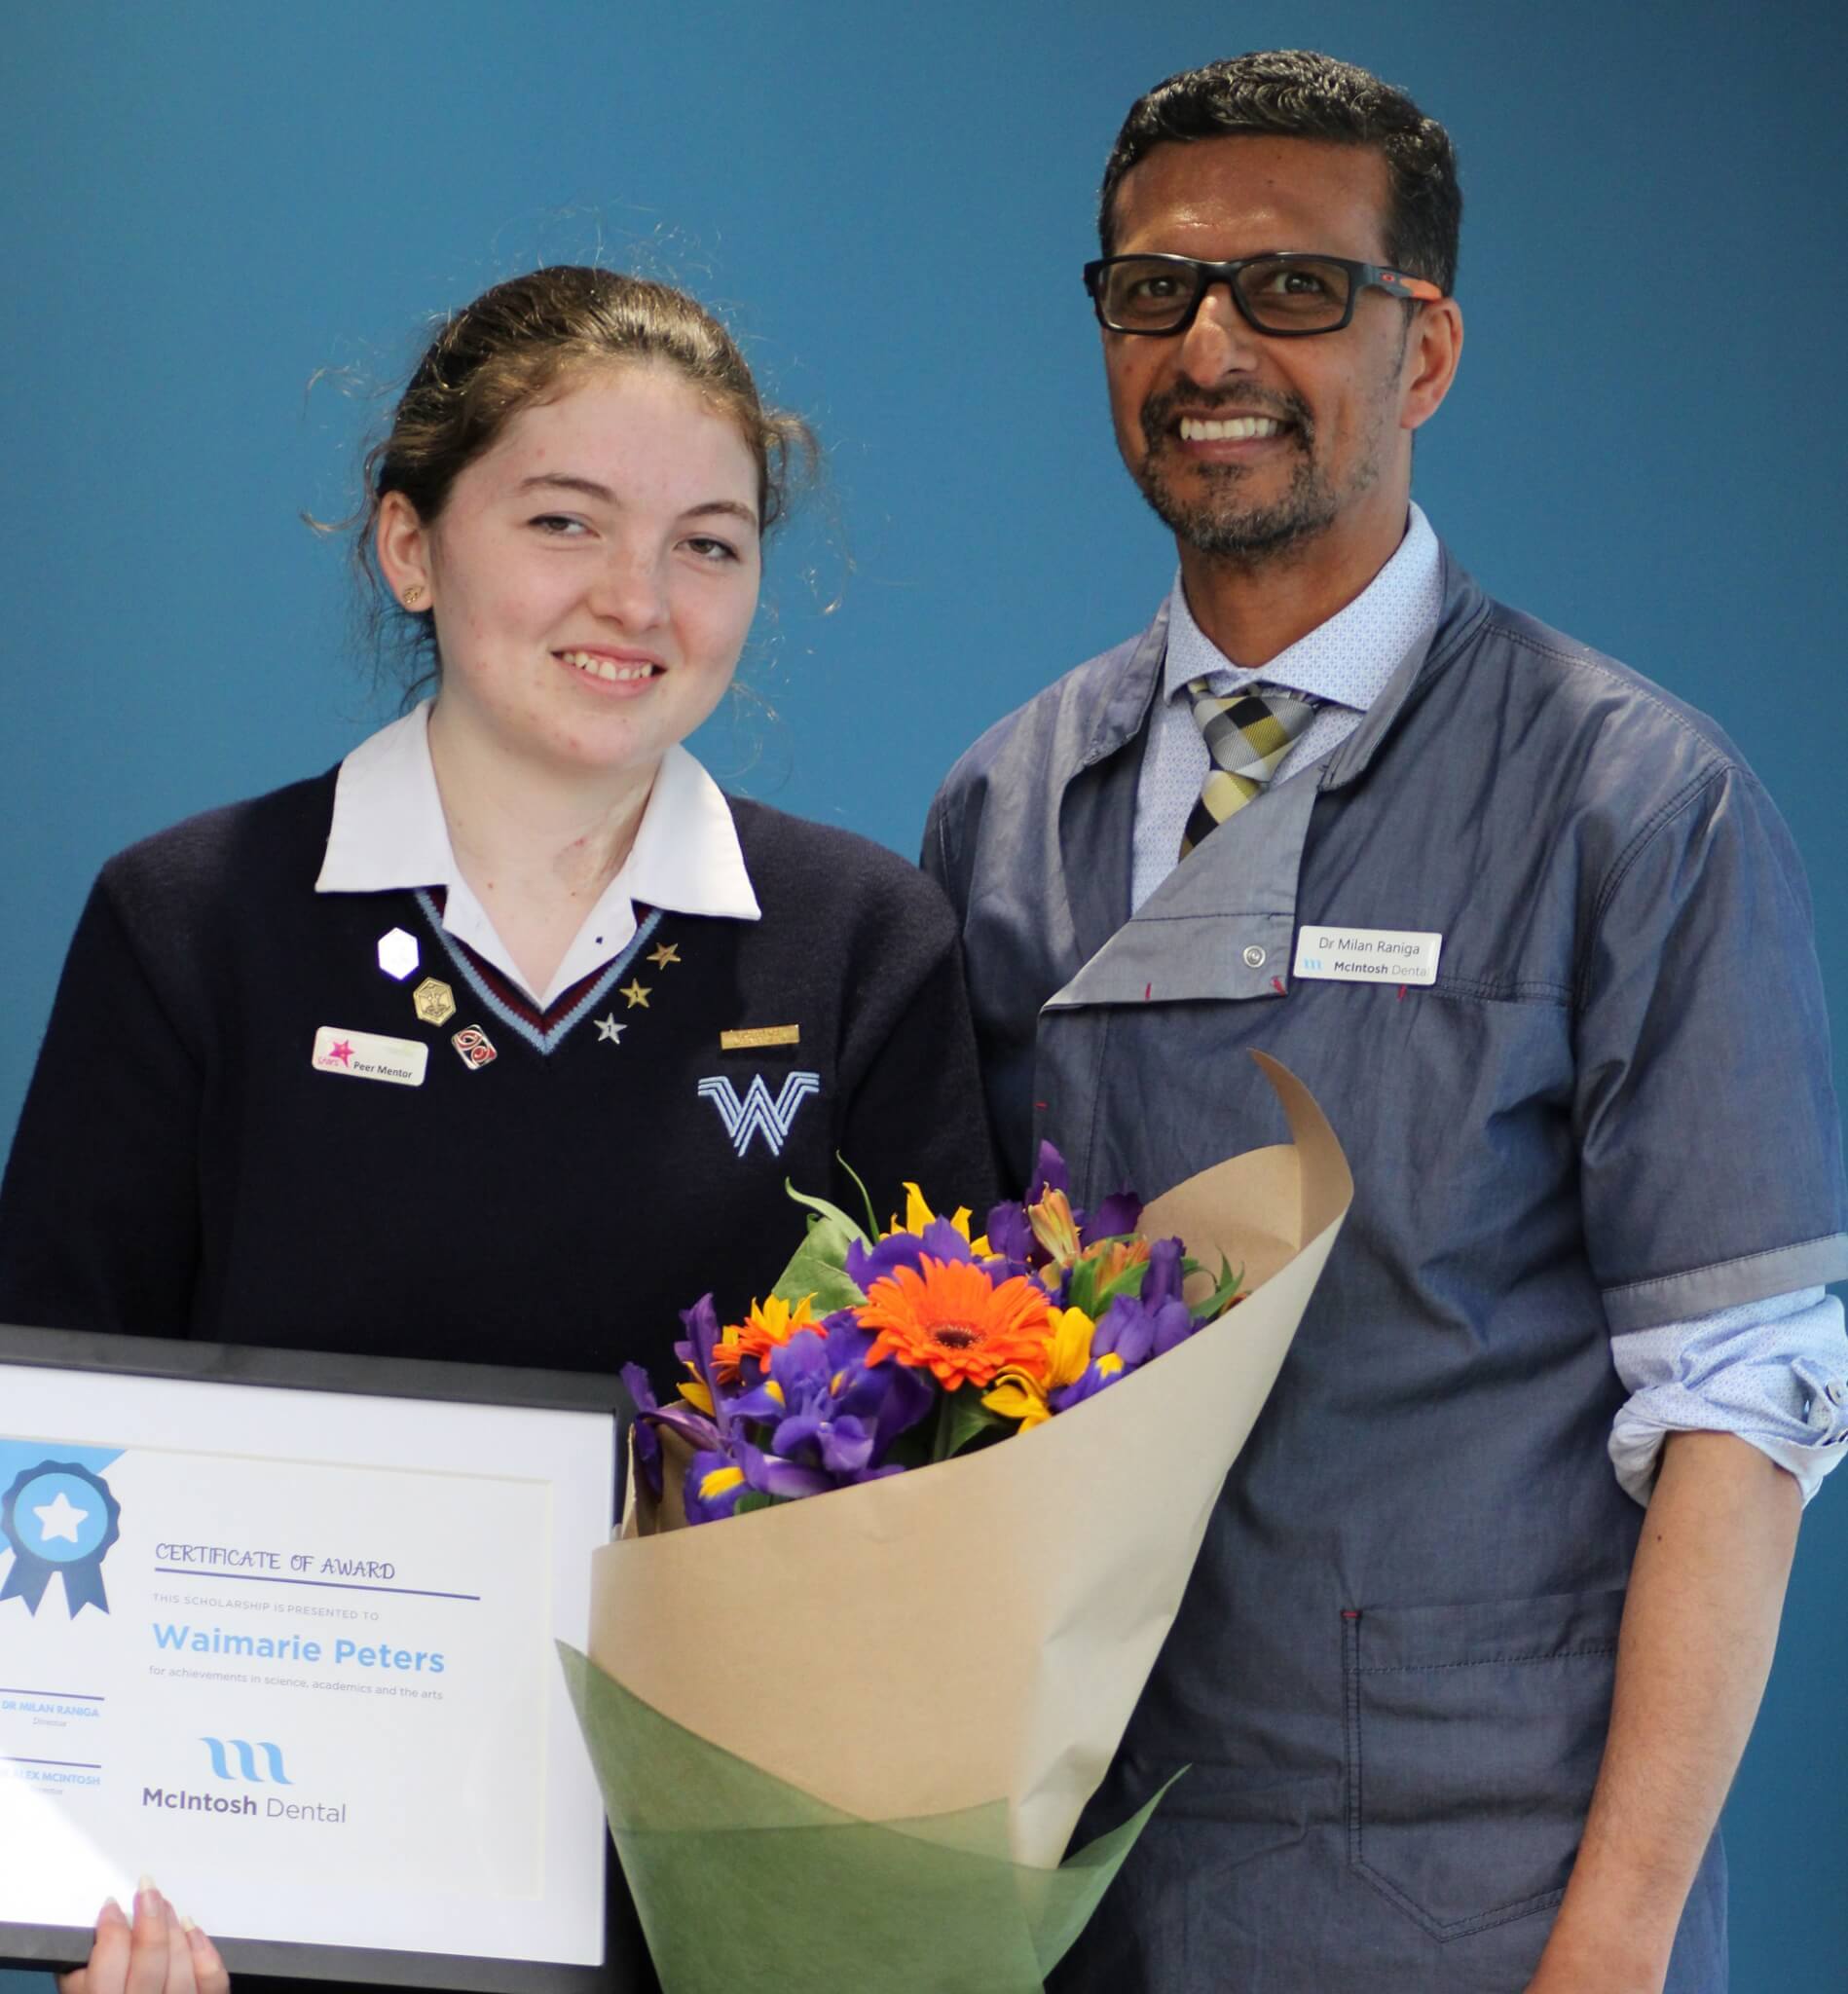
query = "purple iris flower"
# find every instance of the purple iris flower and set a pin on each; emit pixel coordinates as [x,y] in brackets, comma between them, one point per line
[1162,1281]
[1161,1296]
[1119,1214]
[1127,1329]
[1012,1237]
[1051,1174]
[1087,1385]
[889,1399]
[647,1442]
[831,1413]
[1010,1233]
[702,1509]
[940,1240]
[784,1478]
[703,1334]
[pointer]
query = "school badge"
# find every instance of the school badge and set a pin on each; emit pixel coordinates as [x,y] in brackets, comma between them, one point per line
[757,1113]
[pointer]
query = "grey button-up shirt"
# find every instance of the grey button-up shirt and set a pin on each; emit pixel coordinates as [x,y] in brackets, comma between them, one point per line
[1418,1566]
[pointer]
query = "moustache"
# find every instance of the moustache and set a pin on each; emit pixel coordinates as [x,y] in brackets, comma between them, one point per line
[1159,411]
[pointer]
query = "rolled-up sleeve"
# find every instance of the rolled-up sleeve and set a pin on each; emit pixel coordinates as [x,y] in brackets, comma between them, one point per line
[1774,1373]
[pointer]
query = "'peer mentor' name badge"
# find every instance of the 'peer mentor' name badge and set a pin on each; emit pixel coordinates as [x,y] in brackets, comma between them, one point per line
[365,1055]
[1367,955]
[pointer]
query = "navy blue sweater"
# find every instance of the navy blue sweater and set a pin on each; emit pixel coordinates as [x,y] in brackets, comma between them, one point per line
[182,1169]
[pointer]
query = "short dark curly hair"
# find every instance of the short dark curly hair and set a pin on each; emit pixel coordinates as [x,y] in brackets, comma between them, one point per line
[1297,94]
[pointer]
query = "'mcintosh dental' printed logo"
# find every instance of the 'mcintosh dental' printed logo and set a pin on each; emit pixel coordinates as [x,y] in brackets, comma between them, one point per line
[234,1760]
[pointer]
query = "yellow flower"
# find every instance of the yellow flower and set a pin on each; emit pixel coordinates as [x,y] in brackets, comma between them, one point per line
[695,1394]
[918,1215]
[1019,1394]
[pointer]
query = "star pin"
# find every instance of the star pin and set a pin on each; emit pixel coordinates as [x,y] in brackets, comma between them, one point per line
[667,952]
[608,1028]
[636,992]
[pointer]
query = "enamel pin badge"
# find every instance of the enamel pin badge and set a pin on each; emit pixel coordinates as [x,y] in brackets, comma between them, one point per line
[397,953]
[755,1036]
[474,1046]
[434,1000]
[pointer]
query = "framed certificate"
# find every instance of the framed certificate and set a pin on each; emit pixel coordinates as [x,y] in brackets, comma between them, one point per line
[277,1629]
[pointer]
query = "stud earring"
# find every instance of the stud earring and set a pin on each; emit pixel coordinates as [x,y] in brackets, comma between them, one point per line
[413,595]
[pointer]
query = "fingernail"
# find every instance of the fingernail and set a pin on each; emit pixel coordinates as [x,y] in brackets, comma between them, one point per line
[195,1939]
[186,1923]
[111,1910]
[147,1897]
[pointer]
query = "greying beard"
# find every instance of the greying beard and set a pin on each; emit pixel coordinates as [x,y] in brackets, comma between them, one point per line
[1243,533]
[1219,524]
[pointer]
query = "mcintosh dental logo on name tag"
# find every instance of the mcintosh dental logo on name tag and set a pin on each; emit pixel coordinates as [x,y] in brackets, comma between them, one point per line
[365,1055]
[1367,955]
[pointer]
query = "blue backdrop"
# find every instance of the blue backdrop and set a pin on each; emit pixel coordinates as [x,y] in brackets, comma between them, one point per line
[206,206]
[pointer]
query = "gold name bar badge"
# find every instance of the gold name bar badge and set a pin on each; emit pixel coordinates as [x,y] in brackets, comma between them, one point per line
[760,1035]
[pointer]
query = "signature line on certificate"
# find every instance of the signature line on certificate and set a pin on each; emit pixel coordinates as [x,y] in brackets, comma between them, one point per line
[326,1585]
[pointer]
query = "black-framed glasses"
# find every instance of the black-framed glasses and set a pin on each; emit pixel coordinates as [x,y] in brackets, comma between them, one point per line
[1286,294]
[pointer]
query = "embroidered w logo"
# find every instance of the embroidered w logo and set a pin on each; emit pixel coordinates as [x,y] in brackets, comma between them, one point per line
[757,1114]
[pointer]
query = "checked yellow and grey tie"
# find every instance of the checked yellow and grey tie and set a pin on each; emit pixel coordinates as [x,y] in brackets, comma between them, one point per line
[1246,735]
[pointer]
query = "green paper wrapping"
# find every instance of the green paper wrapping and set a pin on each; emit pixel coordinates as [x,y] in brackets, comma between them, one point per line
[742,1880]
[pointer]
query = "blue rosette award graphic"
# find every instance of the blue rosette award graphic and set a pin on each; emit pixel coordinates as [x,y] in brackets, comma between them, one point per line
[59,1517]
[288,1645]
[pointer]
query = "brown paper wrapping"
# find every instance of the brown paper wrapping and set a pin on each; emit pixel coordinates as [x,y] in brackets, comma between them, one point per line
[983,1628]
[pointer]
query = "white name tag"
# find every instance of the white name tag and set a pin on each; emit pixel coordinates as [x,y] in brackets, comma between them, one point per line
[1367,955]
[364,1055]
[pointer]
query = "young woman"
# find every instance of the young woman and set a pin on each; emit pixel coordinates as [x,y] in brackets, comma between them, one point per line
[500,1040]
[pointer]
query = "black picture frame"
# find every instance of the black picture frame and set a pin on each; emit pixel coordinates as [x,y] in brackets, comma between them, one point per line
[33,1948]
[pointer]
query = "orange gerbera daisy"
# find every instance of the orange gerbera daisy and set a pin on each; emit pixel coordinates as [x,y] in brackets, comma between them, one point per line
[952,1321]
[769,1324]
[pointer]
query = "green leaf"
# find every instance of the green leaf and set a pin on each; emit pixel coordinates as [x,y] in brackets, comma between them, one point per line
[1083,1293]
[832,1215]
[818,1265]
[872,1217]
[817,1272]
[961,1420]
[1127,1282]
[753,1498]
[1220,1300]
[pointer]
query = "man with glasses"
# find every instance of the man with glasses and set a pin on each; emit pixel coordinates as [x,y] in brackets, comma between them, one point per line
[1545,1432]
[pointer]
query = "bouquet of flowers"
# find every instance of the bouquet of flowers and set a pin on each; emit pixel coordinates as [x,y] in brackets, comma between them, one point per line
[843,1743]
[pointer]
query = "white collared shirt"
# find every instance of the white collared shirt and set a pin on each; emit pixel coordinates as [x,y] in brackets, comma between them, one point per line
[389,833]
[1343,663]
